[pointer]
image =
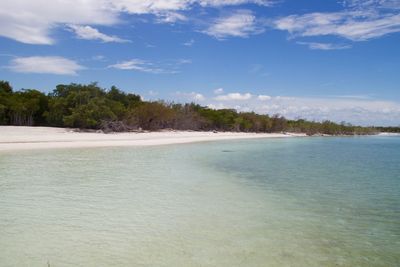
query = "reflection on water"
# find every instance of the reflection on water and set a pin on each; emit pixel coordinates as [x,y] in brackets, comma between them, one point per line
[291,202]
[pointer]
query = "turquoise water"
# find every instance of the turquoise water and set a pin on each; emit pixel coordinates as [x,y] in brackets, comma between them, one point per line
[272,202]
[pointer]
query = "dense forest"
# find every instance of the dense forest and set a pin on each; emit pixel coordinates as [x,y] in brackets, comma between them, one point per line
[91,107]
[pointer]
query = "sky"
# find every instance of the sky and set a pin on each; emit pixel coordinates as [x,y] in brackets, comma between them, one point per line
[313,59]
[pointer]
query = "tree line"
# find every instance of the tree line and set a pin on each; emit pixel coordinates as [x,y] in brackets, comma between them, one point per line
[91,107]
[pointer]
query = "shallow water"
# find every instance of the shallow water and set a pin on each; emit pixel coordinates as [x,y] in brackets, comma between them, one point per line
[272,202]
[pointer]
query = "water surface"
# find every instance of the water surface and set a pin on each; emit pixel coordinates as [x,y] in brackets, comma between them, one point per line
[271,202]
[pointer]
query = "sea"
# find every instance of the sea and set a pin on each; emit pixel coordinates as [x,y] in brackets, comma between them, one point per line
[311,201]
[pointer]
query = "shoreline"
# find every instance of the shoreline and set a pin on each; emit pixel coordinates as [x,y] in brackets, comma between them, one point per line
[14,138]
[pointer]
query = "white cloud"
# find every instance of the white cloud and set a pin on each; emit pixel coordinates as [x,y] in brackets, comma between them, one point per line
[160,7]
[357,111]
[149,6]
[218,91]
[163,67]
[258,69]
[353,96]
[360,110]
[138,65]
[90,33]
[374,4]
[361,20]
[198,96]
[264,97]
[242,23]
[189,43]
[354,110]
[134,64]
[217,3]
[152,93]
[192,96]
[170,17]
[217,106]
[184,61]
[47,64]
[32,21]
[355,24]
[99,58]
[324,46]
[234,96]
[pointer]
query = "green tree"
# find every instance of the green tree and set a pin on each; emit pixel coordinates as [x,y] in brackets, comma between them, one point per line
[90,115]
[89,106]
[152,116]
[5,97]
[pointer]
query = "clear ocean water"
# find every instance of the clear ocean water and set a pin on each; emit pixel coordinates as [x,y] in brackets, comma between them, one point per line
[272,202]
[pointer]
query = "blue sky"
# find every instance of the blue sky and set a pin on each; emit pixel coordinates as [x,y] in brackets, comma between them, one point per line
[325,59]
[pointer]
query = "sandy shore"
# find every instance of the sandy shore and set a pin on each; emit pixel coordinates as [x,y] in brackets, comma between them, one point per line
[26,138]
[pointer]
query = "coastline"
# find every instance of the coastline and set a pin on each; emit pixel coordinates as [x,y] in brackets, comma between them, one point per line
[28,138]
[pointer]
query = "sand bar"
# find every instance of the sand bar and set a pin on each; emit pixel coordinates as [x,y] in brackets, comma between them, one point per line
[27,138]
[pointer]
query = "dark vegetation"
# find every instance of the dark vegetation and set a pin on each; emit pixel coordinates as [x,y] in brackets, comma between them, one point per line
[388,129]
[91,107]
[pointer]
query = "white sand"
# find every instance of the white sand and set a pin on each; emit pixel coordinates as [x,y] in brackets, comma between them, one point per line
[26,138]
[388,134]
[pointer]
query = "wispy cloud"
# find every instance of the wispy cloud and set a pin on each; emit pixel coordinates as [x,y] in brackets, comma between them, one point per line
[362,97]
[189,43]
[219,91]
[374,4]
[324,46]
[241,23]
[90,33]
[170,17]
[233,96]
[217,3]
[359,21]
[197,96]
[258,69]
[138,65]
[184,61]
[192,96]
[45,65]
[160,7]
[163,67]
[99,58]
[152,93]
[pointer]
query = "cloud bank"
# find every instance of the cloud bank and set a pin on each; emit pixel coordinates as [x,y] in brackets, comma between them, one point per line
[353,109]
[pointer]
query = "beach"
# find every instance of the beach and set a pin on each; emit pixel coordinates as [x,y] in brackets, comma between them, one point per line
[26,138]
